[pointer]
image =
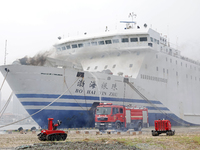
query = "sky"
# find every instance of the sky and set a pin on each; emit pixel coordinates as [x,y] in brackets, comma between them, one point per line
[32,26]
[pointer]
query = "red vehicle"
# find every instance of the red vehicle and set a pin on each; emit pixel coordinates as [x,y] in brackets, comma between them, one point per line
[162,126]
[52,134]
[109,116]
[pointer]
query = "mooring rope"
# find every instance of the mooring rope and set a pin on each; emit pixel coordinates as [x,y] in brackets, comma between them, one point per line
[4,80]
[40,109]
[142,96]
[5,106]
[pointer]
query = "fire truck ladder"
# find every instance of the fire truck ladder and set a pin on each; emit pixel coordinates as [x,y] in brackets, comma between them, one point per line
[126,80]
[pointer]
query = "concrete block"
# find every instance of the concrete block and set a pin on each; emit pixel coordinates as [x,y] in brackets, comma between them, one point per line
[33,132]
[133,133]
[21,131]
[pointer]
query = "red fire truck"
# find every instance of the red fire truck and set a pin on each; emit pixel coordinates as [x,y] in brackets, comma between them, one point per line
[109,116]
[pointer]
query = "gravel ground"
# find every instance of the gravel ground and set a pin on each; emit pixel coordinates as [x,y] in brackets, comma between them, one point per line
[184,138]
[78,146]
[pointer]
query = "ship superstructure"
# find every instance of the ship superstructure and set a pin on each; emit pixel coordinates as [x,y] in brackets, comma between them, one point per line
[133,66]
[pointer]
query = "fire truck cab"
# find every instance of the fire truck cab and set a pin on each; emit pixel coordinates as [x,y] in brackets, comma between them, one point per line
[109,116]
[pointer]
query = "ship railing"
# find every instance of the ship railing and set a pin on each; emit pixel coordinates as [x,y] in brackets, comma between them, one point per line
[174,54]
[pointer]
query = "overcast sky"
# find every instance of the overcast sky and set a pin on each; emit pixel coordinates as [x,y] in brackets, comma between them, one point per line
[30,26]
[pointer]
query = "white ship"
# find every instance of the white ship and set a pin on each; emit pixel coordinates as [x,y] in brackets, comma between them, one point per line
[133,66]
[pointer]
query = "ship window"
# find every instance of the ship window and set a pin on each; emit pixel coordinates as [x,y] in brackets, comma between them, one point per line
[96,67]
[157,41]
[143,39]
[88,68]
[131,65]
[80,45]
[114,66]
[157,68]
[87,44]
[58,49]
[163,70]
[176,61]
[151,39]
[176,73]
[115,40]
[74,45]
[101,42]
[134,39]
[150,44]
[124,40]
[108,41]
[94,43]
[63,48]
[156,56]
[68,47]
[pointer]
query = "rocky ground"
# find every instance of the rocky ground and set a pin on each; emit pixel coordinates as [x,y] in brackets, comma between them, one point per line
[184,138]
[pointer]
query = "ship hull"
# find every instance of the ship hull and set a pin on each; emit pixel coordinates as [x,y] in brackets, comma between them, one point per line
[48,92]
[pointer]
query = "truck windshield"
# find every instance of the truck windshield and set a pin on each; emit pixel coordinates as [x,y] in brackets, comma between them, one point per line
[103,110]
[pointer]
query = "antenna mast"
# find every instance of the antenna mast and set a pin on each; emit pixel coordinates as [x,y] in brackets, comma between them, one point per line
[132,15]
[5,52]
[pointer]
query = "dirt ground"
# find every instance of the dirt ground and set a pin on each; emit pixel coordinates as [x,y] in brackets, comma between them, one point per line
[185,138]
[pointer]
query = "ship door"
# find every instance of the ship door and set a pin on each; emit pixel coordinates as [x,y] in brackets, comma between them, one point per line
[128,116]
[144,114]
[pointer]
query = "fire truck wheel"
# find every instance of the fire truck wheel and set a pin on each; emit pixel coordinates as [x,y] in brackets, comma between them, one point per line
[118,125]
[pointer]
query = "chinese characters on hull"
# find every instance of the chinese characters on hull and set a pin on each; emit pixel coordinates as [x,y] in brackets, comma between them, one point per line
[92,88]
